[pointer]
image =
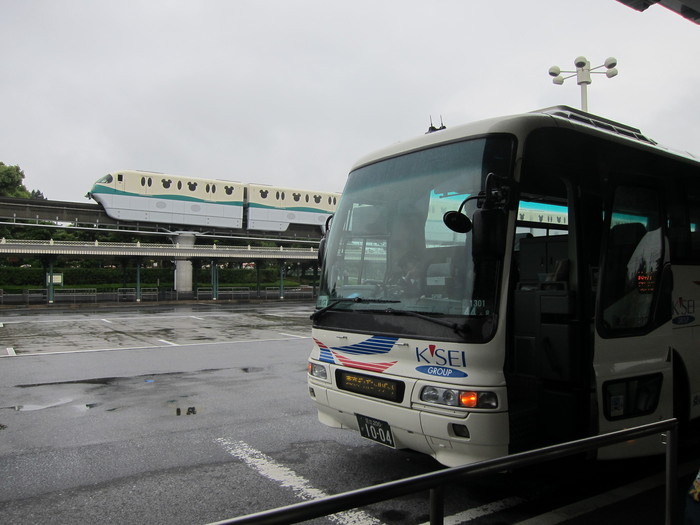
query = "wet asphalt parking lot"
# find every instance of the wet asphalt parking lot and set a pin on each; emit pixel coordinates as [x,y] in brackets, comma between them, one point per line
[198,413]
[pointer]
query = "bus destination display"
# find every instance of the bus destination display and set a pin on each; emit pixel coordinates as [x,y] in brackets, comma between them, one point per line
[371,386]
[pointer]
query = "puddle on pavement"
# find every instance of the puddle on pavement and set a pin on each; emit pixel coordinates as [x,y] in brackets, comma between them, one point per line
[97,381]
[70,402]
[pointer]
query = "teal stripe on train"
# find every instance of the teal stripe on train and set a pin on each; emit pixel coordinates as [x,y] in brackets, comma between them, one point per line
[289,208]
[111,191]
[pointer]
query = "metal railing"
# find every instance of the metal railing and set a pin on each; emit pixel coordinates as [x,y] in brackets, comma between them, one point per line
[435,481]
[142,249]
[75,295]
[213,246]
[223,292]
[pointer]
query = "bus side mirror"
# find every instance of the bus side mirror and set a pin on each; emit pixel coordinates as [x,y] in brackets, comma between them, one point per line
[489,233]
[457,221]
[322,242]
[321,250]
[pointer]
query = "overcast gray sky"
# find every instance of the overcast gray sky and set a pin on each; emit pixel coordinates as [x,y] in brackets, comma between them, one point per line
[291,92]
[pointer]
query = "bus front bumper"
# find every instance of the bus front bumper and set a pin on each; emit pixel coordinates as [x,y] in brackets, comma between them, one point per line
[418,430]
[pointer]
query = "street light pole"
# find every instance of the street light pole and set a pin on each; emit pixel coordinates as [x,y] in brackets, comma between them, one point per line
[583,75]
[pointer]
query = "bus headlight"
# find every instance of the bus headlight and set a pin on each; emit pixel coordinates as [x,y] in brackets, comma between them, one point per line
[318,370]
[459,398]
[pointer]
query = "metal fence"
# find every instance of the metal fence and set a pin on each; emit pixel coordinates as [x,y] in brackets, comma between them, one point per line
[129,294]
[435,481]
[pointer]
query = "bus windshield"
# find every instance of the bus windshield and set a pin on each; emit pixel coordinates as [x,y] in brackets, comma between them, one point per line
[389,252]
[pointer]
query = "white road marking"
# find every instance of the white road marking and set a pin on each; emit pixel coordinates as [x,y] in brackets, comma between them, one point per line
[483,510]
[10,351]
[168,342]
[286,477]
[585,506]
[124,318]
[292,335]
[198,318]
[117,349]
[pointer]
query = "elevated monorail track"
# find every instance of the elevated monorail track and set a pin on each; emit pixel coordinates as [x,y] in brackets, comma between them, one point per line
[12,209]
[88,216]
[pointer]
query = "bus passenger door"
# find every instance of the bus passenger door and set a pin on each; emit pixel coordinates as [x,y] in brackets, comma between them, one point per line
[632,355]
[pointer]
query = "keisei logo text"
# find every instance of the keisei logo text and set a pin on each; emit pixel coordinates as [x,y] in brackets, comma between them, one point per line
[683,311]
[440,362]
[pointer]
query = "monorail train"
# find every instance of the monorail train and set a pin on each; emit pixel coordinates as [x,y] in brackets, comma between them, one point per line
[170,199]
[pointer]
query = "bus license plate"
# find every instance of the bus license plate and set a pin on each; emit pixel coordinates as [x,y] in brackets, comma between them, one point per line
[376,430]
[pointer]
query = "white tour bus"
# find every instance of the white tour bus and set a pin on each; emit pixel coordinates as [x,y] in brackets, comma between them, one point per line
[510,284]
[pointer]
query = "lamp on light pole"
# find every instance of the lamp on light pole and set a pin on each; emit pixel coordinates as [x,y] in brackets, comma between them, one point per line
[583,75]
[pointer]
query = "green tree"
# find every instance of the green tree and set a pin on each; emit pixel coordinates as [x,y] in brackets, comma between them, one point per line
[12,182]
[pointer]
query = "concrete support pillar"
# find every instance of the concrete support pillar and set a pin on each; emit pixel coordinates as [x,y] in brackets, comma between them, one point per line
[214,280]
[258,269]
[282,276]
[50,283]
[183,267]
[138,281]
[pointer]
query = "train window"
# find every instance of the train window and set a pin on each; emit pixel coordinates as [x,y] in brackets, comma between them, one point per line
[307,197]
[179,185]
[120,178]
[282,195]
[150,182]
[277,195]
[334,201]
[208,188]
[213,188]
[143,181]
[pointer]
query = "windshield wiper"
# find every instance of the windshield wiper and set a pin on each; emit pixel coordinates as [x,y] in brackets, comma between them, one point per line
[458,329]
[336,302]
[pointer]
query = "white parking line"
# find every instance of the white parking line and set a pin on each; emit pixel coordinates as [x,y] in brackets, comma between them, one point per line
[10,351]
[184,345]
[168,342]
[286,477]
[57,320]
[483,510]
[293,335]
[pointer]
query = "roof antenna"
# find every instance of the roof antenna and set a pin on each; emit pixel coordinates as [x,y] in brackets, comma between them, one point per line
[432,128]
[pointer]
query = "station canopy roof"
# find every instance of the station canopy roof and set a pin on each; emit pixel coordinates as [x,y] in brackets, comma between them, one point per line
[689,9]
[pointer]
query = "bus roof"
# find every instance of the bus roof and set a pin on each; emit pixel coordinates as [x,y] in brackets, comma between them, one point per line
[555,116]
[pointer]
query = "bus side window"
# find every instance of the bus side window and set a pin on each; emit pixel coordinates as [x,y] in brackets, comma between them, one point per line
[683,205]
[633,260]
[694,227]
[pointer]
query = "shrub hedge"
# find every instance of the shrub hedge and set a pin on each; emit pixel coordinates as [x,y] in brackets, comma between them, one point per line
[76,277]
